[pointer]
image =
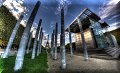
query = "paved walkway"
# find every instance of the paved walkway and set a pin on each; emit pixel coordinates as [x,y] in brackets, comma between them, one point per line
[78,65]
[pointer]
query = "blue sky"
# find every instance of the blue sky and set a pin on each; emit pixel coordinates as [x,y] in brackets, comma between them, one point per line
[49,13]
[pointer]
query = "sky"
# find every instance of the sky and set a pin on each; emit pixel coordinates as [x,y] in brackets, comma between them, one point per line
[49,11]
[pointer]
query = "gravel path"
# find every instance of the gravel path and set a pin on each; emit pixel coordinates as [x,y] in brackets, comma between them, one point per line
[78,65]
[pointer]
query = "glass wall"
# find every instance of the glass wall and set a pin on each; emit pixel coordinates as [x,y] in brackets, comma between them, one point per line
[98,34]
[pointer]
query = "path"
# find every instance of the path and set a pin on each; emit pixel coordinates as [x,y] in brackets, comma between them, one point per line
[78,65]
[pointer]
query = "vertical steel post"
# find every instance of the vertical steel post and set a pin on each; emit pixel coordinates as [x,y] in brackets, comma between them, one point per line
[62,41]
[24,39]
[39,41]
[52,43]
[83,39]
[29,42]
[38,48]
[35,41]
[70,40]
[56,32]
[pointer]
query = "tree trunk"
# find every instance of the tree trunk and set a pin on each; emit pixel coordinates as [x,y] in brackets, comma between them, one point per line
[12,37]
[24,39]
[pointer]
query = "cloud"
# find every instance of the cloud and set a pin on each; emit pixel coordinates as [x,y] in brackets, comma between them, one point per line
[62,3]
[108,8]
[52,24]
[114,17]
[44,31]
[67,37]
[115,23]
[1,2]
[33,30]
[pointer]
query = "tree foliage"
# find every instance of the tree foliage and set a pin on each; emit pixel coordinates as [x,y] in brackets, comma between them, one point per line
[7,23]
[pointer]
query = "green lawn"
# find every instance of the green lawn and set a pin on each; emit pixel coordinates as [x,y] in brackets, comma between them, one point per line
[38,65]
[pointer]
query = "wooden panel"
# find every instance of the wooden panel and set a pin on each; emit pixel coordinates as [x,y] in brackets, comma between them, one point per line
[88,40]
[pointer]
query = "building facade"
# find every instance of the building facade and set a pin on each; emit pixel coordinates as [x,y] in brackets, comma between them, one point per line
[92,27]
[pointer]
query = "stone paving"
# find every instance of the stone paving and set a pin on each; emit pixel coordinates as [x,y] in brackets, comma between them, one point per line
[78,65]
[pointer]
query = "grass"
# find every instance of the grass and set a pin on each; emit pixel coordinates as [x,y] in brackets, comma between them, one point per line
[38,65]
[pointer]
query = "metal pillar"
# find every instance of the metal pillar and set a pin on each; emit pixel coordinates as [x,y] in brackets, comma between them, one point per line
[70,40]
[83,40]
[56,32]
[62,41]
[35,41]
[9,45]
[39,41]
[38,49]
[29,42]
[93,37]
[53,48]
[24,39]
[52,42]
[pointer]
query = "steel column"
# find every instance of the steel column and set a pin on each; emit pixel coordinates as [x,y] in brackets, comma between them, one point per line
[29,42]
[24,39]
[83,39]
[35,41]
[62,41]
[56,32]
[70,40]
[12,37]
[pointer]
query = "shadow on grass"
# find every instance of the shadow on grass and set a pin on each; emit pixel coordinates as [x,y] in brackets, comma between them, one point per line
[38,65]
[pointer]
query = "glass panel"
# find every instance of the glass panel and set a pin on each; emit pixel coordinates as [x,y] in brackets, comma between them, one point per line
[98,34]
